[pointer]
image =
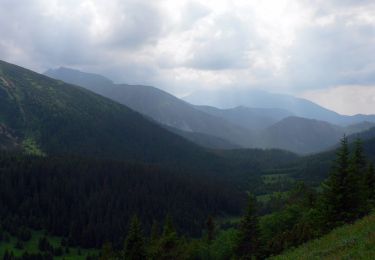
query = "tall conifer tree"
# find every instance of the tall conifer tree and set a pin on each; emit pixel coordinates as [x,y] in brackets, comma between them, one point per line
[210,225]
[370,186]
[248,244]
[335,194]
[357,201]
[134,244]
[169,244]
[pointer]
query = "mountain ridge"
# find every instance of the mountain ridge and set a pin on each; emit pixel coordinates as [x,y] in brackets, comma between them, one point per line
[158,105]
[53,117]
[263,99]
[211,127]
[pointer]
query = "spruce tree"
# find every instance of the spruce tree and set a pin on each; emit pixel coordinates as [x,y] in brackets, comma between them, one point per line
[210,225]
[168,227]
[334,204]
[359,158]
[340,200]
[369,182]
[154,232]
[357,201]
[134,244]
[248,244]
[154,240]
[169,243]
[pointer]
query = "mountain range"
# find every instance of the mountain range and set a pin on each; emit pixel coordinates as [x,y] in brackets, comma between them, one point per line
[262,99]
[279,121]
[41,116]
[45,116]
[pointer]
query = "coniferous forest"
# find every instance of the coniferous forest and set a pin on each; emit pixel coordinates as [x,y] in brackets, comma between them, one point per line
[96,204]
[84,177]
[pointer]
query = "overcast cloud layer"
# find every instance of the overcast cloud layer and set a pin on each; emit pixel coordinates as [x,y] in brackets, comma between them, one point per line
[318,49]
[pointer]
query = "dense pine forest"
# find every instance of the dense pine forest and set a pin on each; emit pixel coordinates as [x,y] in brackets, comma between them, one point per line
[91,201]
[96,204]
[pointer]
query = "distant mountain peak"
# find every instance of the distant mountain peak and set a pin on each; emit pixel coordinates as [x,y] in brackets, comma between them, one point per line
[230,98]
[159,105]
[76,77]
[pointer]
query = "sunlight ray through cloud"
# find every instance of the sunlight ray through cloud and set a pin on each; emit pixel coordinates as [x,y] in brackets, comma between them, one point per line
[187,46]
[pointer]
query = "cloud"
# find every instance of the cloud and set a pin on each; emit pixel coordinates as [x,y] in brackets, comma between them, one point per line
[334,50]
[348,100]
[132,24]
[224,45]
[187,45]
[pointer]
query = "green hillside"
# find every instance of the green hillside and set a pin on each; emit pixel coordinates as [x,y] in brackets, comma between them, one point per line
[46,116]
[159,105]
[355,241]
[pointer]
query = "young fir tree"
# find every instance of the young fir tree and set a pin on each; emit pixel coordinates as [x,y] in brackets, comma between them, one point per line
[154,240]
[356,201]
[248,244]
[134,244]
[333,190]
[358,156]
[356,181]
[210,225]
[154,237]
[169,243]
[369,182]
[340,191]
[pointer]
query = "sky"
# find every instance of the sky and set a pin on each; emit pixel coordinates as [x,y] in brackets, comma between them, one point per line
[322,50]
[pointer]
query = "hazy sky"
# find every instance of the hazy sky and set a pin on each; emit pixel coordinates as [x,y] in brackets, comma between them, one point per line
[319,49]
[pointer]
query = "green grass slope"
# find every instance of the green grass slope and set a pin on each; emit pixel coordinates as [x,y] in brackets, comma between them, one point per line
[356,241]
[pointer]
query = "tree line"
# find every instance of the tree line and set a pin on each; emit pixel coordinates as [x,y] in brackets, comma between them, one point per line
[347,195]
[305,213]
[90,202]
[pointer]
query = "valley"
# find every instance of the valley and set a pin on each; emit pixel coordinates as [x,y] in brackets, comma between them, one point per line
[187,130]
[80,166]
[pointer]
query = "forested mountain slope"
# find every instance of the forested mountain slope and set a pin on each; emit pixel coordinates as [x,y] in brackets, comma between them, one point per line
[255,127]
[47,116]
[300,107]
[301,135]
[158,105]
[248,117]
[92,201]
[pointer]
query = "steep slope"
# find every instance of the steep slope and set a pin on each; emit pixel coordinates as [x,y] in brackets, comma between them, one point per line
[80,194]
[359,127]
[251,118]
[354,241]
[204,140]
[262,99]
[158,105]
[222,128]
[301,135]
[365,135]
[52,117]
[313,169]
[8,140]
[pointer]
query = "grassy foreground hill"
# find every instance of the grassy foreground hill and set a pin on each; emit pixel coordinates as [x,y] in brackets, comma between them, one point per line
[356,241]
